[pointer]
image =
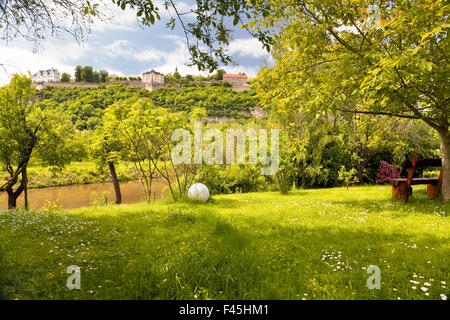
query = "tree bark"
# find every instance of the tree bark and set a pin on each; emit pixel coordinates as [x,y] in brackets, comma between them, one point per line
[13,195]
[445,154]
[115,180]
[25,187]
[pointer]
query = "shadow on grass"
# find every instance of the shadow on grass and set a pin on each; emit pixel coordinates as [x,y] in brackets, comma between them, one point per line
[419,202]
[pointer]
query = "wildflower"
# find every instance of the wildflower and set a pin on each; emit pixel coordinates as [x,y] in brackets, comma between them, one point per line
[424,289]
[443,296]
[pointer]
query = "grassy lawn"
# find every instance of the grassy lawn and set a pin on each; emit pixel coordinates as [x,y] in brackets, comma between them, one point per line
[310,244]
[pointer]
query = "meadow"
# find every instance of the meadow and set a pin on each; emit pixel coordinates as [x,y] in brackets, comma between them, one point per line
[309,244]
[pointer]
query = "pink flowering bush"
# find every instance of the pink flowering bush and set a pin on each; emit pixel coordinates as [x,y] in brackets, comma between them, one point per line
[387,172]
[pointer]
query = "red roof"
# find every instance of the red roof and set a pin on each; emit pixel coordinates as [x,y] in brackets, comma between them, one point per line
[229,75]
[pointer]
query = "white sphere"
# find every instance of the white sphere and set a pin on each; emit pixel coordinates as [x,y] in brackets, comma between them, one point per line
[198,191]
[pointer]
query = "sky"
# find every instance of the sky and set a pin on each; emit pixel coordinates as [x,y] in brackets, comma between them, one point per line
[124,48]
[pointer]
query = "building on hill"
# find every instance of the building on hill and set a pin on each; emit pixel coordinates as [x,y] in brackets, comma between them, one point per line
[238,81]
[153,77]
[153,80]
[50,75]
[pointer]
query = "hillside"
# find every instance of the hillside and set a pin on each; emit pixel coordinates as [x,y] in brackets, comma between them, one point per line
[86,105]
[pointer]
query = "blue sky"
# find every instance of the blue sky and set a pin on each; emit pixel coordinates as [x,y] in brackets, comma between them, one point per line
[126,49]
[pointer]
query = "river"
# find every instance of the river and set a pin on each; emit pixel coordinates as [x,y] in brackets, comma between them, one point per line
[76,196]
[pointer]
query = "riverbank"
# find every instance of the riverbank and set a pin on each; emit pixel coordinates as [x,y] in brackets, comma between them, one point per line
[310,244]
[76,173]
[84,195]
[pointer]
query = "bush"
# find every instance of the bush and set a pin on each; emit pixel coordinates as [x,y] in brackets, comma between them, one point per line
[387,172]
[224,179]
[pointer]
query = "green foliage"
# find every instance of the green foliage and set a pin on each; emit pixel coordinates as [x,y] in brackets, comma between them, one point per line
[219,100]
[27,131]
[65,77]
[86,105]
[329,59]
[78,70]
[347,176]
[224,179]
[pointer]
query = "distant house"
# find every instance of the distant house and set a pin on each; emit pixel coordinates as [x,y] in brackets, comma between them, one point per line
[237,81]
[153,77]
[50,75]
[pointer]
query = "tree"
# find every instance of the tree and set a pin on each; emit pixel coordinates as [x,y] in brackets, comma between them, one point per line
[219,74]
[176,75]
[25,130]
[145,131]
[107,150]
[87,74]
[78,70]
[332,59]
[65,77]
[348,176]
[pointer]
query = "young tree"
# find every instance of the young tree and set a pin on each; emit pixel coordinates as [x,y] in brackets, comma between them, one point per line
[176,75]
[87,74]
[65,77]
[107,150]
[26,130]
[144,132]
[78,70]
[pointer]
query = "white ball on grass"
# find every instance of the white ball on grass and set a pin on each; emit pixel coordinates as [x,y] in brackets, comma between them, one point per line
[198,191]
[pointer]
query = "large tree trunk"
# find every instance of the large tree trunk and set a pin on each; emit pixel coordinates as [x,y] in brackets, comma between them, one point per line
[445,154]
[13,195]
[112,169]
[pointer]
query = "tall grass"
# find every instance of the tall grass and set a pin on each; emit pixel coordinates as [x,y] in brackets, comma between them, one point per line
[310,244]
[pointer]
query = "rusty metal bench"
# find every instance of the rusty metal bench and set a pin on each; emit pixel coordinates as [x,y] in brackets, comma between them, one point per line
[401,187]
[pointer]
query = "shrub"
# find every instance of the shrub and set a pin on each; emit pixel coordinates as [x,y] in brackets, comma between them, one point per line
[223,179]
[387,172]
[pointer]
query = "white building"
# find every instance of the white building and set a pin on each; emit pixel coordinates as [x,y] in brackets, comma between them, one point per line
[153,77]
[50,75]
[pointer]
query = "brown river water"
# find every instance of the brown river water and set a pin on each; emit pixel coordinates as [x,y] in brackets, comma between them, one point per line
[76,196]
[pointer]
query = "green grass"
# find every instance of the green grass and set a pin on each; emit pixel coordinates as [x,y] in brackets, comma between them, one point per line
[241,246]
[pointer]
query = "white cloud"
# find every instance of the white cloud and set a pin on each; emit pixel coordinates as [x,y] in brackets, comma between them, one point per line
[21,59]
[177,58]
[121,48]
[248,47]
[118,19]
